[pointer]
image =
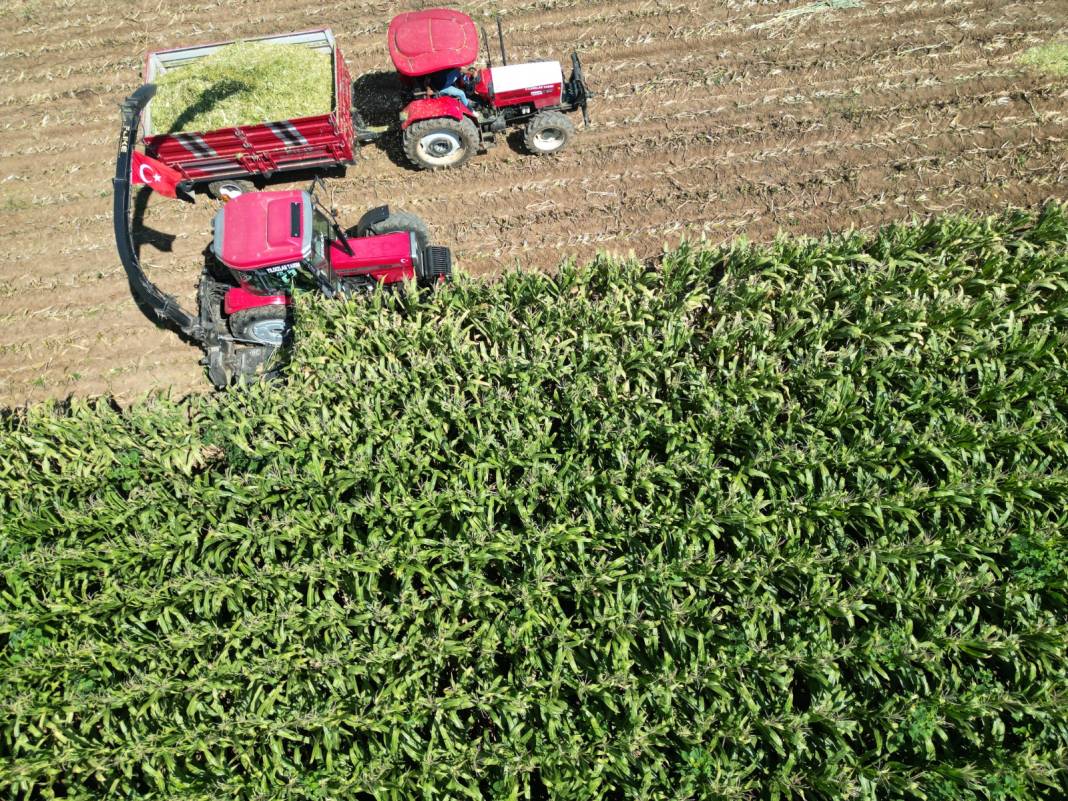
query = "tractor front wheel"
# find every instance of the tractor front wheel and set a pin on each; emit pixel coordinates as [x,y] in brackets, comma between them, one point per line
[440,143]
[263,325]
[548,133]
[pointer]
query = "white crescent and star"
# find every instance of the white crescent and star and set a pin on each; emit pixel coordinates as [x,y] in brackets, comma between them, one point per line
[152,177]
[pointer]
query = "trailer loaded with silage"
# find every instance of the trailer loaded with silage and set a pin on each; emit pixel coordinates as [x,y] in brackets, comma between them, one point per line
[257,107]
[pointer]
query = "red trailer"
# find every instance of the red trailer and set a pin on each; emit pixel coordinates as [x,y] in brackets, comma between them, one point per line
[309,142]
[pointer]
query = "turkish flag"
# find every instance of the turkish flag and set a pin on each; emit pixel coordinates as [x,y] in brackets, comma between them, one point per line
[146,170]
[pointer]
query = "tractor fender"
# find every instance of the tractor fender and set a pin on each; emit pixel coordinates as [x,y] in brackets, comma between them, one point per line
[370,218]
[239,299]
[429,108]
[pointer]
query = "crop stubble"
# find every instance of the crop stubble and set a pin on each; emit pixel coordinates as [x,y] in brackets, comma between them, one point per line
[703,126]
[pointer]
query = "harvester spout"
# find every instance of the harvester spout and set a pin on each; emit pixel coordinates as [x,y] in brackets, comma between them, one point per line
[163,306]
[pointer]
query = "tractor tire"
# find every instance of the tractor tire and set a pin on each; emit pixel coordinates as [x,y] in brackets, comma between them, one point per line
[548,133]
[440,143]
[403,221]
[262,325]
[229,188]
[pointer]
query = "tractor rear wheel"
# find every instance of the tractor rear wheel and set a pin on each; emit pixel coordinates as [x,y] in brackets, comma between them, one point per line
[403,221]
[264,325]
[548,133]
[440,143]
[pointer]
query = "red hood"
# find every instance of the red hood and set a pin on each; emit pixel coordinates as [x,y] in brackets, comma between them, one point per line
[259,229]
[422,42]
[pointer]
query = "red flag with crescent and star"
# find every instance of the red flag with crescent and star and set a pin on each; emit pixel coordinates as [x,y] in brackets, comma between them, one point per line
[155,174]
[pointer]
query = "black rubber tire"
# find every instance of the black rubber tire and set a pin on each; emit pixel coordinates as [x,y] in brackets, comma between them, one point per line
[403,221]
[264,325]
[463,135]
[216,188]
[548,133]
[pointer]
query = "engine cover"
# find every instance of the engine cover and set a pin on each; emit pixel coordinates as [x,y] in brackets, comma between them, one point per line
[539,83]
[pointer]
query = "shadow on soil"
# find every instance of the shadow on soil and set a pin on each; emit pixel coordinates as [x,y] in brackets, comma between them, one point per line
[142,235]
[377,97]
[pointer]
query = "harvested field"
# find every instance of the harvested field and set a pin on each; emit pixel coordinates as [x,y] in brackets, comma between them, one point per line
[711,119]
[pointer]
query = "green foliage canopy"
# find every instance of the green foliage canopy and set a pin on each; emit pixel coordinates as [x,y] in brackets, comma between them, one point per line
[763,522]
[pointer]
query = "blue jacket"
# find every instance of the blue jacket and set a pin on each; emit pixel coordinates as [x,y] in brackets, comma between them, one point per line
[443,80]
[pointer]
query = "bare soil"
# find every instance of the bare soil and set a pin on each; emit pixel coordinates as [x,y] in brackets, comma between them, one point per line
[710,119]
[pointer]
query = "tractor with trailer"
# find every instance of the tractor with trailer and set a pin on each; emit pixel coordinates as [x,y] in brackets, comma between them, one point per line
[431,50]
[265,246]
[438,130]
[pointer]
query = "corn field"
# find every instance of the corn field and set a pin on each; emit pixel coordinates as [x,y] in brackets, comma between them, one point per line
[778,522]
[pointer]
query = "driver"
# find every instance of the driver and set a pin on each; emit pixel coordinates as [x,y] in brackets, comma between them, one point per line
[453,83]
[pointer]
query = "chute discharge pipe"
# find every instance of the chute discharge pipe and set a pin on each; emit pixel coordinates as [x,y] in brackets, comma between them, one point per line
[163,305]
[489,53]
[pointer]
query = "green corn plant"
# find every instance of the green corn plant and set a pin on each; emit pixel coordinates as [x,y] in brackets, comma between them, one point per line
[781,522]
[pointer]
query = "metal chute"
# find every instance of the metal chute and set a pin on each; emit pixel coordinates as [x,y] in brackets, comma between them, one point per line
[223,360]
[165,307]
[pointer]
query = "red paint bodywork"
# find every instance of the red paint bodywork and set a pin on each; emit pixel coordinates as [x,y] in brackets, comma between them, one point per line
[255,230]
[323,140]
[537,96]
[484,84]
[240,298]
[422,42]
[375,255]
[429,108]
[248,243]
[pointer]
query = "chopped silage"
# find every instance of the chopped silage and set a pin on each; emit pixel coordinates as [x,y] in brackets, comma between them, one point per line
[245,83]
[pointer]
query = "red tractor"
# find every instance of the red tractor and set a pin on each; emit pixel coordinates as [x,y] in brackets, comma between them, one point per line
[453,111]
[266,245]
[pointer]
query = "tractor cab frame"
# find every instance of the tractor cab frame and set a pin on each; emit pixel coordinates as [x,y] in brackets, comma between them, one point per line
[272,243]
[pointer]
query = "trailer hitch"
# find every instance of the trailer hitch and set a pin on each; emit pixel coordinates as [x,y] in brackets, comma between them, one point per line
[364,133]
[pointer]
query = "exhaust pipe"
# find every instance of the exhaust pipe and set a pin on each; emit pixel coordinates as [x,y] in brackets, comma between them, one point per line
[500,36]
[489,53]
